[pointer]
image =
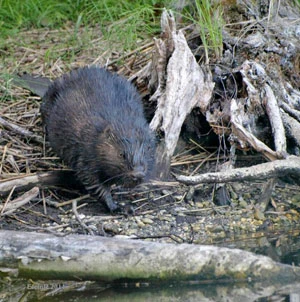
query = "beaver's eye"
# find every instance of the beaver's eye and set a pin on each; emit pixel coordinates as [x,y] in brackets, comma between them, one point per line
[122,155]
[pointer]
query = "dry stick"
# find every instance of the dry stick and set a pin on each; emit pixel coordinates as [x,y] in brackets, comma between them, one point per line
[2,159]
[275,120]
[276,168]
[51,178]
[239,130]
[15,128]
[44,202]
[20,201]
[278,131]
[83,225]
[61,204]
[25,181]
[15,104]
[292,112]
[20,130]
[203,162]
[265,197]
[292,127]
[131,53]
[7,200]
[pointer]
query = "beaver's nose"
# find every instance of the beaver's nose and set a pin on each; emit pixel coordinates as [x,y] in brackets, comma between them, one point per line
[138,173]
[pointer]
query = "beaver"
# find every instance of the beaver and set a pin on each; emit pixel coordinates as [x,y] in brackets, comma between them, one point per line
[94,121]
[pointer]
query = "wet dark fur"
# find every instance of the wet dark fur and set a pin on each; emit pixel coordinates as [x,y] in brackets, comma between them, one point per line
[94,121]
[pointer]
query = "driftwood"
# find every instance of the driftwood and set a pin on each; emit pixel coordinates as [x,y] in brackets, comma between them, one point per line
[277,168]
[9,207]
[64,178]
[260,97]
[270,94]
[76,257]
[245,137]
[181,85]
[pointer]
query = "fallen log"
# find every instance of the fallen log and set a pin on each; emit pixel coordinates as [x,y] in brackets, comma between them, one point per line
[77,257]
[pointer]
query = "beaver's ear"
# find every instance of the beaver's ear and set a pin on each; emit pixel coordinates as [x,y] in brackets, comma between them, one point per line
[99,123]
[108,133]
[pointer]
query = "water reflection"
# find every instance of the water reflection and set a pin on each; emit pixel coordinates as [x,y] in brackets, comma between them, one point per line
[282,246]
[244,292]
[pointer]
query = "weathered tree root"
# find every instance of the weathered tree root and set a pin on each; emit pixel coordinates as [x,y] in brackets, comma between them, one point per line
[276,168]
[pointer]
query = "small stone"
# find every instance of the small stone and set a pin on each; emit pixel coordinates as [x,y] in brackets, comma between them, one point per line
[147,220]
[243,204]
[206,204]
[237,218]
[247,196]
[191,203]
[217,229]
[197,228]
[111,227]
[190,194]
[132,232]
[237,186]
[93,228]
[199,205]
[178,197]
[296,199]
[168,218]
[233,195]
[258,214]
[186,228]
[222,234]
[139,222]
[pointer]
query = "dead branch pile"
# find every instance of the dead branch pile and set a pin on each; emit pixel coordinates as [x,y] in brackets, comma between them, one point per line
[263,111]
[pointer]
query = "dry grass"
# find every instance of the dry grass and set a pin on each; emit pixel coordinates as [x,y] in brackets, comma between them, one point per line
[51,53]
